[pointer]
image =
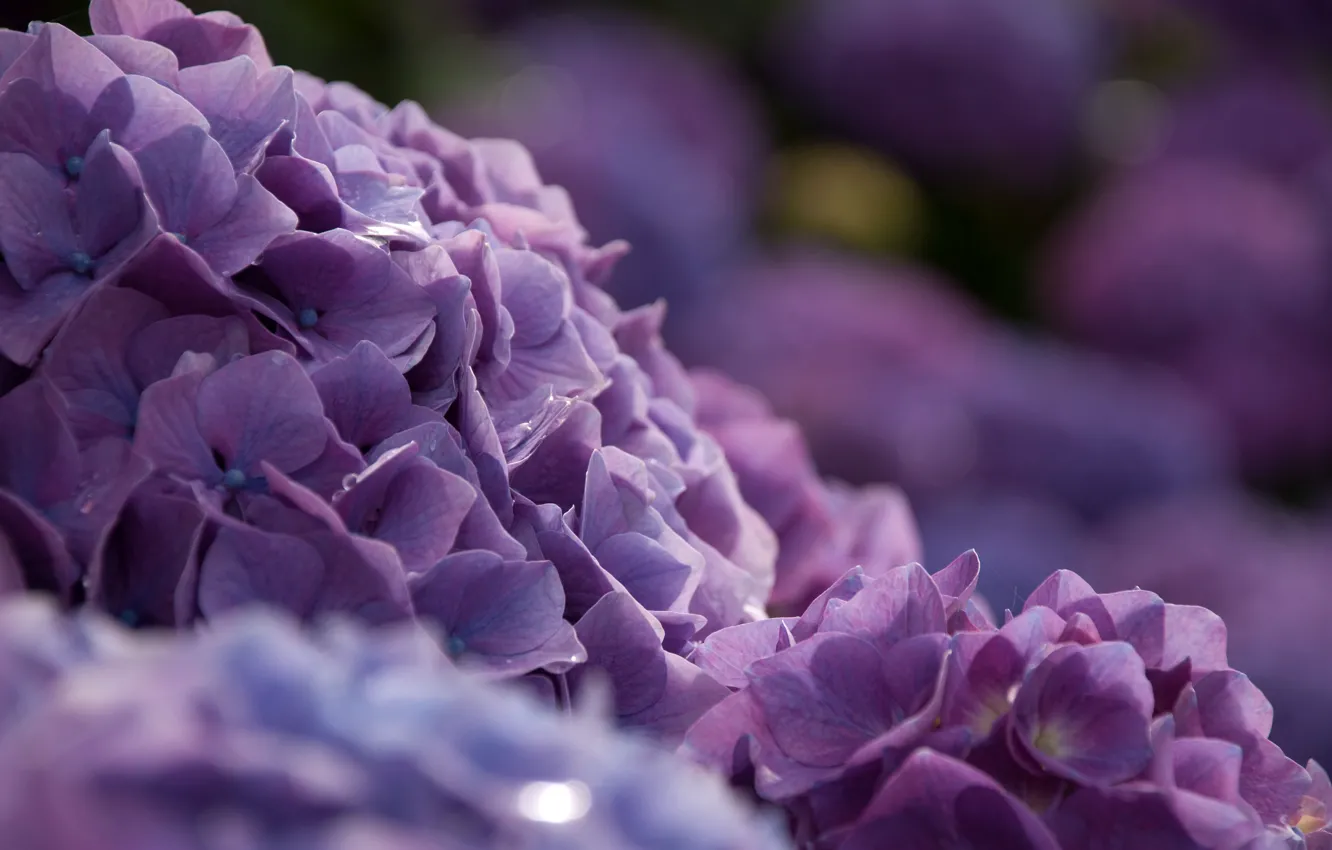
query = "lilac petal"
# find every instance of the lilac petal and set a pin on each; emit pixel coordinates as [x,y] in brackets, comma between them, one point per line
[935,801]
[1231,708]
[39,458]
[87,361]
[210,37]
[1059,591]
[656,576]
[728,652]
[1208,766]
[1081,629]
[1141,817]
[957,581]
[245,565]
[168,432]
[823,698]
[409,503]
[722,739]
[12,46]
[144,58]
[442,446]
[246,108]
[36,233]
[109,211]
[188,178]
[507,617]
[366,398]
[134,18]
[110,470]
[60,61]
[434,380]
[1084,713]
[28,320]
[900,604]
[155,351]
[138,111]
[37,545]
[582,577]
[305,186]
[829,600]
[660,693]
[284,424]
[149,555]
[556,470]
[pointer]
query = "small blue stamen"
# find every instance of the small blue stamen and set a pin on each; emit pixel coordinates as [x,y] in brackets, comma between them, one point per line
[456,647]
[129,617]
[234,479]
[181,238]
[74,167]
[80,263]
[307,318]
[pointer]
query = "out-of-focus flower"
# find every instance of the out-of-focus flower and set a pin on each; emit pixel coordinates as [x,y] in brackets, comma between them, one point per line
[1244,560]
[652,136]
[1220,274]
[962,90]
[894,710]
[254,735]
[896,377]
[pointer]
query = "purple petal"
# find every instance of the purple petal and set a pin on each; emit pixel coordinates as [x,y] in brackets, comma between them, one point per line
[283,423]
[504,616]
[1084,713]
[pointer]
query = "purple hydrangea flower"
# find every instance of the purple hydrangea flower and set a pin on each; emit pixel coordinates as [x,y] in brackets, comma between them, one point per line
[266,340]
[988,90]
[1220,274]
[258,736]
[894,710]
[896,377]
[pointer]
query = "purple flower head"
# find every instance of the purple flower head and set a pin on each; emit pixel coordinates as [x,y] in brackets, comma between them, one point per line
[944,401]
[1218,273]
[989,90]
[893,709]
[618,113]
[337,738]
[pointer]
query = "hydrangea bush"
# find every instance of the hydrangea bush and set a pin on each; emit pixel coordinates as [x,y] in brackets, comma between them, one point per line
[269,343]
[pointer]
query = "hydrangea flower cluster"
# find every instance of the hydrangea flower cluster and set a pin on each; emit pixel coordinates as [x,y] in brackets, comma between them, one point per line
[267,340]
[894,712]
[982,90]
[252,734]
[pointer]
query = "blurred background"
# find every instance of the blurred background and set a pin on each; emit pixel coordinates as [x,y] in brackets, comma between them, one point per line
[1058,268]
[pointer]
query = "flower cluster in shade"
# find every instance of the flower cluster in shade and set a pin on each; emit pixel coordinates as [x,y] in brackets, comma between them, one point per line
[266,340]
[256,736]
[1212,259]
[894,712]
[980,90]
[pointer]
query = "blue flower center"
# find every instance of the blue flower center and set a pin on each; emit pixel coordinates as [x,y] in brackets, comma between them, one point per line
[234,479]
[181,238]
[80,263]
[74,167]
[129,617]
[456,647]
[307,318]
